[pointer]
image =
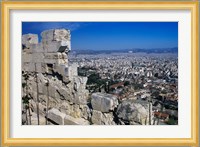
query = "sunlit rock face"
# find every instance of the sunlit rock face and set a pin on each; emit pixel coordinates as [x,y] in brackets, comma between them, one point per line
[103,102]
[47,62]
[100,118]
[57,40]
[28,40]
[131,112]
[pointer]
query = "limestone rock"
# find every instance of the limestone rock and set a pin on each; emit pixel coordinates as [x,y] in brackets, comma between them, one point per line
[29,39]
[56,116]
[85,111]
[66,92]
[57,40]
[33,57]
[34,119]
[100,118]
[69,120]
[27,57]
[80,94]
[132,113]
[75,110]
[37,48]
[62,69]
[103,102]
[72,71]
[62,34]
[28,66]
[79,98]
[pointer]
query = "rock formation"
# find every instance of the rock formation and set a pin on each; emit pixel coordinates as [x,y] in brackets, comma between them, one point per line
[47,62]
[104,102]
[132,112]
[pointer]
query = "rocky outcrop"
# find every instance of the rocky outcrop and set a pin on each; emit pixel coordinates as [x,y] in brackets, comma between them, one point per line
[76,110]
[99,118]
[52,82]
[56,116]
[131,112]
[103,106]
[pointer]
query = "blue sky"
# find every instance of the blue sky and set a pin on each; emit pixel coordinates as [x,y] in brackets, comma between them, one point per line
[112,35]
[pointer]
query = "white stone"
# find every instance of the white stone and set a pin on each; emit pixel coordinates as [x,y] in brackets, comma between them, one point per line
[69,120]
[79,98]
[29,39]
[57,40]
[41,67]
[100,118]
[28,66]
[27,57]
[132,112]
[62,34]
[56,116]
[103,102]
[38,57]
[62,69]
[38,48]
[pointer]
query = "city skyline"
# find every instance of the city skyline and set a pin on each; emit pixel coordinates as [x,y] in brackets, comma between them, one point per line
[113,35]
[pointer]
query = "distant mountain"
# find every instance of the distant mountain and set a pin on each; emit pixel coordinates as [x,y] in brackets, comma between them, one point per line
[136,50]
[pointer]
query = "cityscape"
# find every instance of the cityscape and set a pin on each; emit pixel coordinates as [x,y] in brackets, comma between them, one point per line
[126,75]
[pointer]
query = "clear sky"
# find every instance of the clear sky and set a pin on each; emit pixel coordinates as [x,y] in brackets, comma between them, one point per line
[112,35]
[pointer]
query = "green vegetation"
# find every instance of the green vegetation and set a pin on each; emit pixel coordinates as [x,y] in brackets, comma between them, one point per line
[137,86]
[155,94]
[172,121]
[126,83]
[164,92]
[95,83]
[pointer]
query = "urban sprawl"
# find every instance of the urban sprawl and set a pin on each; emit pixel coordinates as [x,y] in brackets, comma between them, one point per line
[151,78]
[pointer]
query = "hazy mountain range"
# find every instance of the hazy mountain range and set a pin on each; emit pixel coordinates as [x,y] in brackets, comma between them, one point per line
[136,50]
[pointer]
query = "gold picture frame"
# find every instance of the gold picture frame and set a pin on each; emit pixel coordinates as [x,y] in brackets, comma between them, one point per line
[5,65]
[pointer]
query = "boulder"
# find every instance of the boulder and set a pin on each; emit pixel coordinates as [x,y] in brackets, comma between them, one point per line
[132,112]
[103,102]
[56,116]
